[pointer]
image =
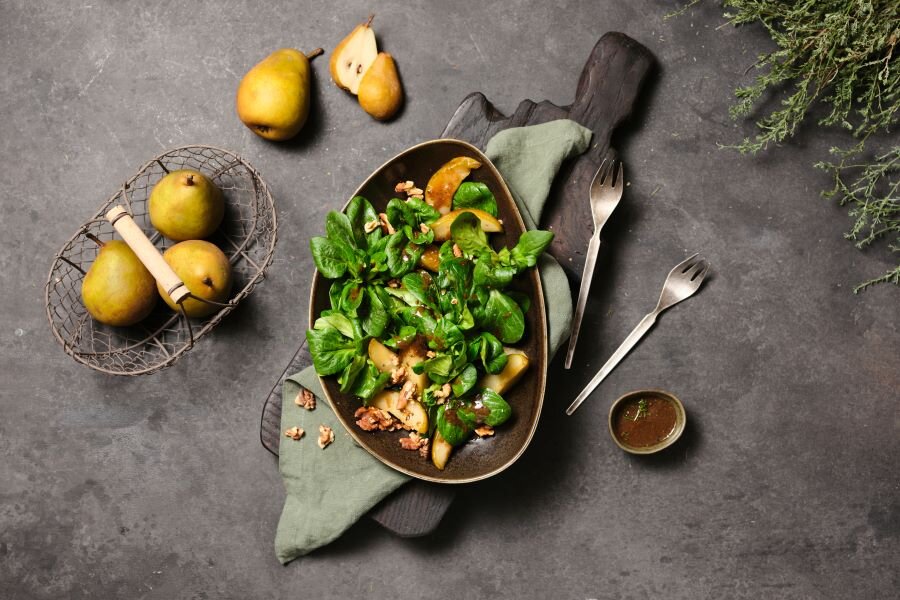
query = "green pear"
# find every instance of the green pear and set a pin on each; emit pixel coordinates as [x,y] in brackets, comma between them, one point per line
[380,93]
[273,97]
[186,205]
[118,289]
[205,271]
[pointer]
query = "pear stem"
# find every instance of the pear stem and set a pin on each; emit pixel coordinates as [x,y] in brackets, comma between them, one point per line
[315,53]
[368,22]
[95,239]
[189,180]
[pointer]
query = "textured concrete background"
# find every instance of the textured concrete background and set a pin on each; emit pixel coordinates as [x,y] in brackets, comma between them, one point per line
[787,485]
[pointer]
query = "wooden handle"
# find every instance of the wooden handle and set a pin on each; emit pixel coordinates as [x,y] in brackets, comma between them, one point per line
[147,253]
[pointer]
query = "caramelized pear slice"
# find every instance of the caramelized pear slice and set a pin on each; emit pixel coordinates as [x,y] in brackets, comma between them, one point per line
[431,258]
[441,227]
[443,184]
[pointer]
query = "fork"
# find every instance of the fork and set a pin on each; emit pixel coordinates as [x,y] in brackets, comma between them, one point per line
[681,283]
[605,195]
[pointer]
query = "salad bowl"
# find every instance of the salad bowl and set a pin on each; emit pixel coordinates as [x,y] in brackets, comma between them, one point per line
[479,458]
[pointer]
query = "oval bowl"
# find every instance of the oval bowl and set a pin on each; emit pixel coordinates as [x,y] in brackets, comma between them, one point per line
[478,458]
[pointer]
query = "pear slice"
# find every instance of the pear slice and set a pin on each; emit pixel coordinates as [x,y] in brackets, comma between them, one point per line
[441,227]
[443,184]
[440,450]
[383,357]
[413,415]
[353,57]
[516,365]
[431,258]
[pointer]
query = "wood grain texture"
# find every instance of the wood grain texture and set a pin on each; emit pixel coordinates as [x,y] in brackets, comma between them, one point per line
[604,97]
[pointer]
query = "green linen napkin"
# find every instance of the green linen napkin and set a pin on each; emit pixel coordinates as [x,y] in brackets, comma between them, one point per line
[329,490]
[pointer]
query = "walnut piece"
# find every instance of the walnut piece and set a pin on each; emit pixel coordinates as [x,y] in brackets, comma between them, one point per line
[442,394]
[305,399]
[456,251]
[484,431]
[295,433]
[414,191]
[326,436]
[415,442]
[371,226]
[386,226]
[369,418]
[403,186]
[398,374]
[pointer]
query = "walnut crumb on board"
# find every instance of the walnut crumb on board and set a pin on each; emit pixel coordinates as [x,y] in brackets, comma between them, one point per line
[326,436]
[295,433]
[305,399]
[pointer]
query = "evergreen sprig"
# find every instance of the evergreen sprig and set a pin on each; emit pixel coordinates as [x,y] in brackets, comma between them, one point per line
[844,55]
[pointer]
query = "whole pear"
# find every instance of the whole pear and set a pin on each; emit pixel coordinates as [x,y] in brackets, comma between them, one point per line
[118,289]
[186,205]
[205,271]
[380,93]
[273,97]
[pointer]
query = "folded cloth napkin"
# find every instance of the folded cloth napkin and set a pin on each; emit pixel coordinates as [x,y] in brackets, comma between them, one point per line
[329,490]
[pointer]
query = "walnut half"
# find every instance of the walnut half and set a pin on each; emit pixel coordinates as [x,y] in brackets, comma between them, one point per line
[295,433]
[326,436]
[305,399]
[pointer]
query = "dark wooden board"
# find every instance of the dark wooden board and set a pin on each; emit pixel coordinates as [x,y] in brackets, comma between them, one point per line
[605,96]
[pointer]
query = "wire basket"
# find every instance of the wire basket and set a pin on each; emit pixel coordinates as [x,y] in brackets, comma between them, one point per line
[247,237]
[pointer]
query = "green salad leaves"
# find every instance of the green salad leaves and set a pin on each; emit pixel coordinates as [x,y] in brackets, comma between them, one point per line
[463,314]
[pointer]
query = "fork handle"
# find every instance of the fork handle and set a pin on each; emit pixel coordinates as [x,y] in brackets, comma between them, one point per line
[587,275]
[636,334]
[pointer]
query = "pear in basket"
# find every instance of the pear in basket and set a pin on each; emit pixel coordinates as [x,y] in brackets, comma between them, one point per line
[205,271]
[186,205]
[118,289]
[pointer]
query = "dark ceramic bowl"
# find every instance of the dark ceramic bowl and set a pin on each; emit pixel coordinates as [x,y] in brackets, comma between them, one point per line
[477,458]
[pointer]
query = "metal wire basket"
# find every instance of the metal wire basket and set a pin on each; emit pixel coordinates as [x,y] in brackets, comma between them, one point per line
[247,236]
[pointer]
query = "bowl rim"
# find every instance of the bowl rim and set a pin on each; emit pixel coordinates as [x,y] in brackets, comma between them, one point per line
[680,420]
[537,304]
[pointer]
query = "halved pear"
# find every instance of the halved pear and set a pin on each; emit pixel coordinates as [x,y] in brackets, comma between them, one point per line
[516,365]
[353,57]
[441,227]
[443,184]
[440,450]
[383,357]
[413,415]
[380,93]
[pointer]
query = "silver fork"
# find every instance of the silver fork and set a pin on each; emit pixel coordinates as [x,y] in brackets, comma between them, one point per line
[605,195]
[681,284]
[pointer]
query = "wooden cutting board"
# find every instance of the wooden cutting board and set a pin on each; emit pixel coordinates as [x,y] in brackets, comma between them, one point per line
[605,96]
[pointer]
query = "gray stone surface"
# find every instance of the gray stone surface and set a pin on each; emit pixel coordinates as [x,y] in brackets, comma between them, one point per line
[786,486]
